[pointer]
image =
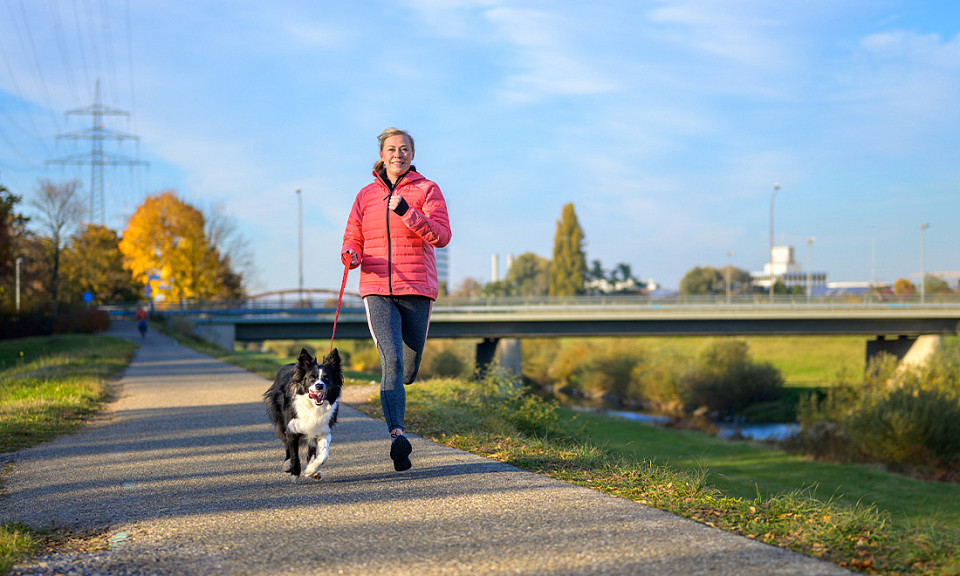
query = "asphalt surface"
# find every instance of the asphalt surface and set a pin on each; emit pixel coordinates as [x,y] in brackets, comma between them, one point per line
[184,475]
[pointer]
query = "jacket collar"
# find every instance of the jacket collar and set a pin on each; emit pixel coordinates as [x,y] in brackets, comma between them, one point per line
[410,175]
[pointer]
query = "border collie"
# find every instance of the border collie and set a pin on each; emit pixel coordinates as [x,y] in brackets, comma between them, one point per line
[303,403]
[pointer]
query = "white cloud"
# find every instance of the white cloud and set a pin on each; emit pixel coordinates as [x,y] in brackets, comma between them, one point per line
[549,64]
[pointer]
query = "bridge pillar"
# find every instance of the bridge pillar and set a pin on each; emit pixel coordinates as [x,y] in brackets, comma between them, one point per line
[910,352]
[921,351]
[510,355]
[897,348]
[486,350]
[223,335]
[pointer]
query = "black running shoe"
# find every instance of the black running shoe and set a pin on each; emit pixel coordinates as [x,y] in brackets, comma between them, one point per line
[400,453]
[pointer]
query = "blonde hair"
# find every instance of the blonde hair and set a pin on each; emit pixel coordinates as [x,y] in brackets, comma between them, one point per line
[389,132]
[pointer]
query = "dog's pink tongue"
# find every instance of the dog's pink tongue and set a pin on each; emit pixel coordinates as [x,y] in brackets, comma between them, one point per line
[318,398]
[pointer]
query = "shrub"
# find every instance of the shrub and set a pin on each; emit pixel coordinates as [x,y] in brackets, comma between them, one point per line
[907,420]
[539,355]
[82,321]
[448,364]
[658,382]
[25,325]
[609,371]
[727,381]
[909,429]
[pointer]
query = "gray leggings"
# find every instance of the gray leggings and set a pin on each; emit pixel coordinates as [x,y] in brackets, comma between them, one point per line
[399,327]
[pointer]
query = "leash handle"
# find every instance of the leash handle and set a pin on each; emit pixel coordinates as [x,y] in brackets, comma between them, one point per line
[343,285]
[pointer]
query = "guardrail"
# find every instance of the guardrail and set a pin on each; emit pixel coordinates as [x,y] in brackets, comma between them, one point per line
[452,306]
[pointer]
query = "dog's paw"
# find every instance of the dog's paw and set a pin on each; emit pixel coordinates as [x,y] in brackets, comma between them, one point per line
[316,475]
[287,465]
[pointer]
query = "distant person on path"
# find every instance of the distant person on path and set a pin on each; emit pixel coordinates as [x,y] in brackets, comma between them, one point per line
[392,230]
[142,321]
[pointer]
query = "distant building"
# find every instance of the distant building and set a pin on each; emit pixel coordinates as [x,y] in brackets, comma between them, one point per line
[443,265]
[855,288]
[785,268]
[628,286]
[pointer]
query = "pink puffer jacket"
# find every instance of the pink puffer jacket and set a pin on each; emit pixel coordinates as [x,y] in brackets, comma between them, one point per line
[396,252]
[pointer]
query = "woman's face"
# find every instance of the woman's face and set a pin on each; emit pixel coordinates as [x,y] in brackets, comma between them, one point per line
[397,155]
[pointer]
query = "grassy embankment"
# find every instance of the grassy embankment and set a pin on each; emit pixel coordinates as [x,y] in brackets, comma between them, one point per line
[50,386]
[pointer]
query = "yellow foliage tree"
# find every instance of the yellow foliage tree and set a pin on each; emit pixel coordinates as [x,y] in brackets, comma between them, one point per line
[165,237]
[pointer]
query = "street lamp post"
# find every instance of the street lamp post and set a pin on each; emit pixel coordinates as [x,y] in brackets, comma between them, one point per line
[19,260]
[810,242]
[923,265]
[300,243]
[727,280]
[772,275]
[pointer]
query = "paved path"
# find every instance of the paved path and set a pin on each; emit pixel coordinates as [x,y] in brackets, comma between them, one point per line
[185,474]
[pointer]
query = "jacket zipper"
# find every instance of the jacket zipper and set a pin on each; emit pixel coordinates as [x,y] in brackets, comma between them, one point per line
[389,240]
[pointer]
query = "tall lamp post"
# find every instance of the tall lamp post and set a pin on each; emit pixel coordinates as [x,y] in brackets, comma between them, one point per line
[923,265]
[19,260]
[772,275]
[727,279]
[300,243]
[810,242]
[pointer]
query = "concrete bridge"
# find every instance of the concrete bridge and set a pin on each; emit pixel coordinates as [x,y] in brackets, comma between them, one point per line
[501,323]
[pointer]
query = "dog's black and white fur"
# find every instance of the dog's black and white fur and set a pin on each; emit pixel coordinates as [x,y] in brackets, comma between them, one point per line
[303,403]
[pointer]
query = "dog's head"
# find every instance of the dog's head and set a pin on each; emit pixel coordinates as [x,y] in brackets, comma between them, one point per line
[321,382]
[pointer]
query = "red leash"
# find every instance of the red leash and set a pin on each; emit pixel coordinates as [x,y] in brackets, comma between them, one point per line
[343,284]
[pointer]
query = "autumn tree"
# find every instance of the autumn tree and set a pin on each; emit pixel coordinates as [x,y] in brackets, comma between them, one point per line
[904,287]
[467,288]
[93,263]
[166,237]
[60,211]
[568,270]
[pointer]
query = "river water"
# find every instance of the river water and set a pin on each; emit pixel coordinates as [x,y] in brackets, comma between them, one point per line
[769,432]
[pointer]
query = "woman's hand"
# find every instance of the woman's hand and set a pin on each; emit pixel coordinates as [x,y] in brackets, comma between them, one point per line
[398,204]
[395,200]
[351,257]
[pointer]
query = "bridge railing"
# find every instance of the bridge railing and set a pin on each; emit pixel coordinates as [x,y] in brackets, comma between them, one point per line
[451,305]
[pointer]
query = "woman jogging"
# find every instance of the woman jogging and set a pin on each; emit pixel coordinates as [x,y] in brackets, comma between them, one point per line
[142,322]
[393,228]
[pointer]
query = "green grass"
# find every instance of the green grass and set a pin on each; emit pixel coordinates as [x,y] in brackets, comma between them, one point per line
[804,361]
[856,517]
[744,469]
[50,386]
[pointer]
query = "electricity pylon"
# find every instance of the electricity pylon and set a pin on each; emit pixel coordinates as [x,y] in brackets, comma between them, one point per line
[96,158]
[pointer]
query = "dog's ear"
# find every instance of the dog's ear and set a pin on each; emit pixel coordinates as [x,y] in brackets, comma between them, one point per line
[333,358]
[305,359]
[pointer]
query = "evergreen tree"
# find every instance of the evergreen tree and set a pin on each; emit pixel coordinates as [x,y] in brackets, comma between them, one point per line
[568,270]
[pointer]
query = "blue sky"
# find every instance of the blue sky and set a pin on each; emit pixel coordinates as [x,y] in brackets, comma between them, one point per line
[666,123]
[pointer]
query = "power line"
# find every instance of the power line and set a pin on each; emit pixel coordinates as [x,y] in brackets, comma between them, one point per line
[62,48]
[36,60]
[92,37]
[133,99]
[83,52]
[18,91]
[96,158]
[108,44]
